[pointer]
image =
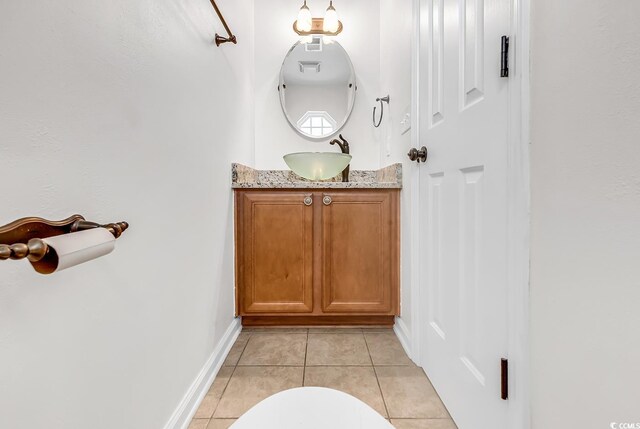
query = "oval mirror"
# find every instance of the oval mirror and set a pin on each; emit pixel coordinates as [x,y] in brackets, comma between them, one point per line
[317,87]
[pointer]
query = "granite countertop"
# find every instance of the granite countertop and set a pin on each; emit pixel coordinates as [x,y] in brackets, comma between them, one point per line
[243,177]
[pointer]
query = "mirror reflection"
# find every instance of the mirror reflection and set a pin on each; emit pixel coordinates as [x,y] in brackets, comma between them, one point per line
[317,87]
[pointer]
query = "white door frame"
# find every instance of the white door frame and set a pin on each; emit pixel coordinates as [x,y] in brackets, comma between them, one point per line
[518,216]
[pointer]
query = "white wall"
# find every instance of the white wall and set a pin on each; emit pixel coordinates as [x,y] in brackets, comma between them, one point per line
[396,31]
[585,287]
[274,36]
[119,110]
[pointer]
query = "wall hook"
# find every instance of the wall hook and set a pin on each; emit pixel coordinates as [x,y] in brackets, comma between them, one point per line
[386,100]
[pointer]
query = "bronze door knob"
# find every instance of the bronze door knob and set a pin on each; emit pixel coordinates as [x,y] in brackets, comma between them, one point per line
[418,155]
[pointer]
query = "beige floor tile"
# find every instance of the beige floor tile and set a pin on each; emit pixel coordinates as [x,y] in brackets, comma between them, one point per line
[222,378]
[236,350]
[211,399]
[220,423]
[336,330]
[385,349]
[207,407]
[251,384]
[337,349]
[423,424]
[268,330]
[378,330]
[358,381]
[198,424]
[408,393]
[244,336]
[275,349]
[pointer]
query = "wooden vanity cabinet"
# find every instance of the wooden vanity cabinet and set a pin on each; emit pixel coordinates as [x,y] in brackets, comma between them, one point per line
[274,253]
[359,260]
[317,256]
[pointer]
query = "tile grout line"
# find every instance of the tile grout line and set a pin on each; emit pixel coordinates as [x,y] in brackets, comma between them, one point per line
[384,402]
[304,367]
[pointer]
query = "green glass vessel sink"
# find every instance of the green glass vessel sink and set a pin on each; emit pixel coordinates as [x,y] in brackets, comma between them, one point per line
[317,165]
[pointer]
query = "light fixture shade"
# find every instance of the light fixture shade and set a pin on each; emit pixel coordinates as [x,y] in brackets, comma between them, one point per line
[330,24]
[304,18]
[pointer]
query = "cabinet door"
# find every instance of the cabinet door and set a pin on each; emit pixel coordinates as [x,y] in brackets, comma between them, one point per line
[276,272]
[360,257]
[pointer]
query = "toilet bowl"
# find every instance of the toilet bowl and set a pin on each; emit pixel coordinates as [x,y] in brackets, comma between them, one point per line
[311,408]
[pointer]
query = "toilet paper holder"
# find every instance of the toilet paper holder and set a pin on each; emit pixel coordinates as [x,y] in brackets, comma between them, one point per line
[27,238]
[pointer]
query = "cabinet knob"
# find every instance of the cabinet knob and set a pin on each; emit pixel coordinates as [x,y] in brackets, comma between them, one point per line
[307,201]
[326,200]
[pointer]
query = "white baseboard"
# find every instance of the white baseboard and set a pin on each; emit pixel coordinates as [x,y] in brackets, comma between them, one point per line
[183,414]
[404,336]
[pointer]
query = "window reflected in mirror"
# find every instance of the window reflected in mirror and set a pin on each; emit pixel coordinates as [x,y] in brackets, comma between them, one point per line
[317,124]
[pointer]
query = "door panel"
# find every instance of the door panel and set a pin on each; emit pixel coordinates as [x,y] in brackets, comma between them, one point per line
[471,52]
[278,253]
[358,265]
[435,259]
[463,205]
[435,40]
[470,241]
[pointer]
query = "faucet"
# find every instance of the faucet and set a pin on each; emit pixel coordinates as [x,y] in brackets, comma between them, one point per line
[344,147]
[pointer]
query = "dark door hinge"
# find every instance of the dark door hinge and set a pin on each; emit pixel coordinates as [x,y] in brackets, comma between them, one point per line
[504,379]
[504,57]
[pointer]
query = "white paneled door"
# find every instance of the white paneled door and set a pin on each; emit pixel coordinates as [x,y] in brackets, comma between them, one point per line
[463,105]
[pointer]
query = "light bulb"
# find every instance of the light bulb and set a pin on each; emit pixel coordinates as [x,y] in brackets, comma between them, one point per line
[330,24]
[304,18]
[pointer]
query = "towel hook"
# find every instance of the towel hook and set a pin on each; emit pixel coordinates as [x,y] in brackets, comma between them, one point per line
[386,100]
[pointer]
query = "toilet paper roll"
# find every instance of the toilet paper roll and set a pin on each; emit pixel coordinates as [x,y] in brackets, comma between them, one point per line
[69,250]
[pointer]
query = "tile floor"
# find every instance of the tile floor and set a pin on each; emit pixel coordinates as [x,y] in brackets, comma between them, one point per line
[369,364]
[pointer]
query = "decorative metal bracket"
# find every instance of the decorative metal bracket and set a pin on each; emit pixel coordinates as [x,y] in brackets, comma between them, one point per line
[219,39]
[26,234]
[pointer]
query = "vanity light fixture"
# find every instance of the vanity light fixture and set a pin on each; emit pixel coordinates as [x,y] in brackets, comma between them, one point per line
[305,25]
[304,21]
[331,22]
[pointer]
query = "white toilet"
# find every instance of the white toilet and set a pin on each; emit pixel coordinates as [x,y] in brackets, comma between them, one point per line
[311,408]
